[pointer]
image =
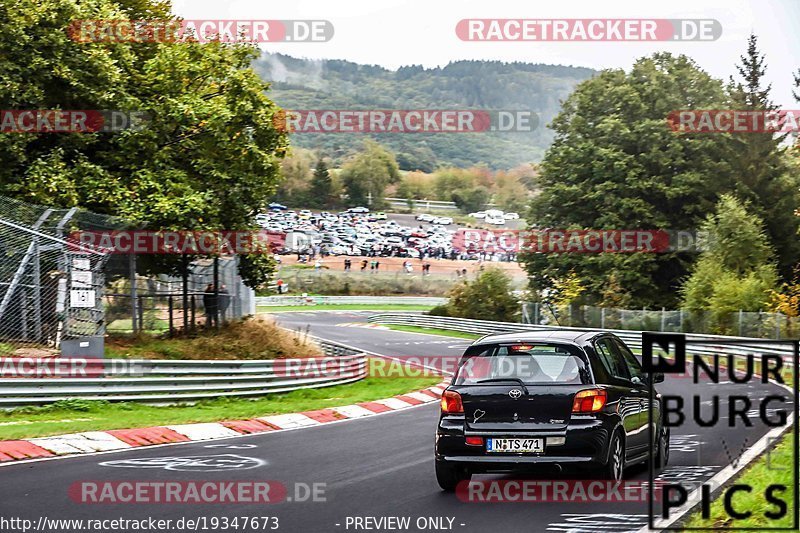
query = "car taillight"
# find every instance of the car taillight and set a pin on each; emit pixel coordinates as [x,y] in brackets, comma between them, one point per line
[451,402]
[475,441]
[589,401]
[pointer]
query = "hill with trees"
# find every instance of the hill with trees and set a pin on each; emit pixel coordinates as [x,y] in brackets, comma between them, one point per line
[485,85]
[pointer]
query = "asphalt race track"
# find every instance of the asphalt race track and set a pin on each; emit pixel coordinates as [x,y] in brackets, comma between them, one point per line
[378,467]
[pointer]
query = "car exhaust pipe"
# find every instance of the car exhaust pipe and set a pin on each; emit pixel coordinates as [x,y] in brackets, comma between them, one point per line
[558,468]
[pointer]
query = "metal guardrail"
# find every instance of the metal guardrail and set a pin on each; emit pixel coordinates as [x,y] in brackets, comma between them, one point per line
[632,338]
[168,381]
[339,300]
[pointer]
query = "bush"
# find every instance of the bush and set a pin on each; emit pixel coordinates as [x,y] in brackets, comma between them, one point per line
[488,297]
[439,310]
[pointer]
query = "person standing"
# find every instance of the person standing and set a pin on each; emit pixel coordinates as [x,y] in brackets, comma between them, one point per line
[224,299]
[210,306]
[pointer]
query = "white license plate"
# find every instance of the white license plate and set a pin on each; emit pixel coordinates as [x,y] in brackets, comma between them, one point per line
[515,445]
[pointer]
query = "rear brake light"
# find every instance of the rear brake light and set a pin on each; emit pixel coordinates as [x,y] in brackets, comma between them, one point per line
[589,401]
[451,403]
[521,347]
[475,441]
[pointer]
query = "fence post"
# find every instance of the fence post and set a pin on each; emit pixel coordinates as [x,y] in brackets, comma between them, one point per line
[740,322]
[663,319]
[185,292]
[602,318]
[169,303]
[37,291]
[777,325]
[141,313]
[194,308]
[132,274]
[680,320]
[215,315]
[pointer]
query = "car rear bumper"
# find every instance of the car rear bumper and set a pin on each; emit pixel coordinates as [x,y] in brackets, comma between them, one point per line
[584,444]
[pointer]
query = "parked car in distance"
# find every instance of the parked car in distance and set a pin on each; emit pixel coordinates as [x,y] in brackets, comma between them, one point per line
[511,216]
[478,214]
[425,217]
[522,400]
[444,221]
[275,206]
[358,209]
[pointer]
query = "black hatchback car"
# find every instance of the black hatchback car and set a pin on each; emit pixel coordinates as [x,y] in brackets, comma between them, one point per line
[521,400]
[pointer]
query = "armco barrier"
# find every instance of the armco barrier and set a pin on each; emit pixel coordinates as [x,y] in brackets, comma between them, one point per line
[631,338]
[358,300]
[169,381]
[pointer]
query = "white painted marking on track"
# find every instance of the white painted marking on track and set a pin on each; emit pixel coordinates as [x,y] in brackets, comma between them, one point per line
[191,463]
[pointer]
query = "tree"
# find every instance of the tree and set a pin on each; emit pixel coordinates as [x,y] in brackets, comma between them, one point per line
[296,177]
[758,165]
[470,200]
[489,297]
[208,157]
[614,164]
[321,191]
[735,272]
[366,176]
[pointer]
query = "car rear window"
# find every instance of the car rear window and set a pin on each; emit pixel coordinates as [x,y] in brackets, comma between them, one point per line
[533,363]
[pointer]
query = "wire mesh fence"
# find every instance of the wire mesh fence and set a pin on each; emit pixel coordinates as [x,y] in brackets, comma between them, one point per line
[55,290]
[733,322]
[137,302]
[50,286]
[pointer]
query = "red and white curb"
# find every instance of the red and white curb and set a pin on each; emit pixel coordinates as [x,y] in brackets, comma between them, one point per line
[121,439]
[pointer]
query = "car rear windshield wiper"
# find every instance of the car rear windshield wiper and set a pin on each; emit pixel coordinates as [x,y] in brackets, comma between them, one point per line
[500,380]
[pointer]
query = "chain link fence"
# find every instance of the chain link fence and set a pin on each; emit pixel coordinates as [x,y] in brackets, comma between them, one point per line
[138,302]
[60,296]
[51,288]
[738,323]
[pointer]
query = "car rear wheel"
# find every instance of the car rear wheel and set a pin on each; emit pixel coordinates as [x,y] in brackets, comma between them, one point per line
[662,455]
[449,476]
[615,466]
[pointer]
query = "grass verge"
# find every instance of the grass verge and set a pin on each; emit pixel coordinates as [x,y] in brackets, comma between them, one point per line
[79,415]
[434,331]
[775,467]
[342,307]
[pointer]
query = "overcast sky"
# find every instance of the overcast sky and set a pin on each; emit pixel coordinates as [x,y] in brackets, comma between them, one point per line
[392,33]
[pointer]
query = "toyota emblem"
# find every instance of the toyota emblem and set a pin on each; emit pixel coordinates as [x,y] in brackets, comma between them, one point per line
[515,394]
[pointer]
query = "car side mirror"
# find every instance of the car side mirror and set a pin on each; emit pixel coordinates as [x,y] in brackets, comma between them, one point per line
[658,377]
